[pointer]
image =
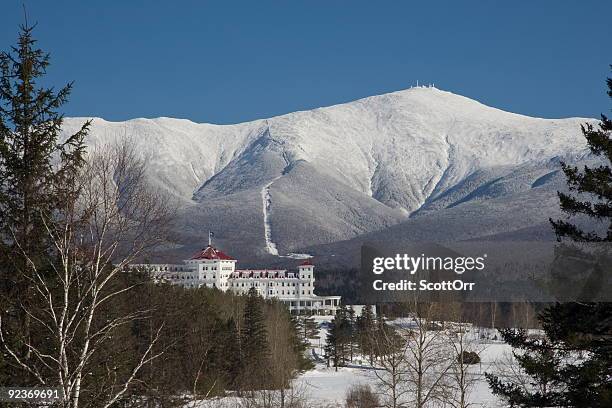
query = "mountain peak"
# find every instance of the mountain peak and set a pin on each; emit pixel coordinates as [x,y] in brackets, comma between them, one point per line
[336,172]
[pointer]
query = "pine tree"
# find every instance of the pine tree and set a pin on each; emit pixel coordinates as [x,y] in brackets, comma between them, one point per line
[335,345]
[593,182]
[343,334]
[255,351]
[36,174]
[332,345]
[365,326]
[35,165]
[299,338]
[340,337]
[538,359]
[584,330]
[230,352]
[572,365]
[351,332]
[385,339]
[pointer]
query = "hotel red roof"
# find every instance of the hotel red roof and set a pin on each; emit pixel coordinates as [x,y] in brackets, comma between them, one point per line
[307,263]
[211,253]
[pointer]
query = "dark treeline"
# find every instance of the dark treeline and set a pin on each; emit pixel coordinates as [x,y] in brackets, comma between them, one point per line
[482,314]
[345,282]
[210,342]
[338,281]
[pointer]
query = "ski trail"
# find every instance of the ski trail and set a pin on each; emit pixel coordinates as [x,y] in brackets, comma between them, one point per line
[271,248]
[195,175]
[267,203]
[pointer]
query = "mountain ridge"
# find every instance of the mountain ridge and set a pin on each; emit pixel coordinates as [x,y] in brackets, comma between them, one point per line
[334,173]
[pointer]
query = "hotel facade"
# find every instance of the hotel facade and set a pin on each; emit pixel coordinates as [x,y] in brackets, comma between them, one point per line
[212,268]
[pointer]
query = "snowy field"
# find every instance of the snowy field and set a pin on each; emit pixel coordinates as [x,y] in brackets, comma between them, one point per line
[325,387]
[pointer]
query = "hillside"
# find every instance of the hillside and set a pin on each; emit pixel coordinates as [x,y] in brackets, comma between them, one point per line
[415,164]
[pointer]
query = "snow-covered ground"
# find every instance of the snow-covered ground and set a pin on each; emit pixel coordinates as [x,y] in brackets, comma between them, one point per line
[327,387]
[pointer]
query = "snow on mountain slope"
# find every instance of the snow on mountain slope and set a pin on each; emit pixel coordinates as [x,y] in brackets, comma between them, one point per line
[345,170]
[181,155]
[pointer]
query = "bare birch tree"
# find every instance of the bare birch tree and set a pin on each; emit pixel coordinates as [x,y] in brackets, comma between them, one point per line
[110,217]
[466,353]
[429,358]
[392,373]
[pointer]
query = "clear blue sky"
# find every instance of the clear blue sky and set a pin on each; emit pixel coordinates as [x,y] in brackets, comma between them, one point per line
[226,62]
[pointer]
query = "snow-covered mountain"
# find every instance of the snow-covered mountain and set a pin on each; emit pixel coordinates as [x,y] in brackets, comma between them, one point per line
[377,164]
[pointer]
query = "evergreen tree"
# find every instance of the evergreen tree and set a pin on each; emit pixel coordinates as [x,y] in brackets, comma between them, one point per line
[255,351]
[593,182]
[385,339]
[304,329]
[36,174]
[538,359]
[351,332]
[230,352]
[332,351]
[586,328]
[300,344]
[340,337]
[572,365]
[35,165]
[204,317]
[365,326]
[583,330]
[343,334]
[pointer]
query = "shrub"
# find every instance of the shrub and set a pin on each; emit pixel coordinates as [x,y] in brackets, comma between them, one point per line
[434,326]
[361,396]
[469,357]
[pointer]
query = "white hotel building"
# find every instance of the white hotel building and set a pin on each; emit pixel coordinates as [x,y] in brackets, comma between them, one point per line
[212,268]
